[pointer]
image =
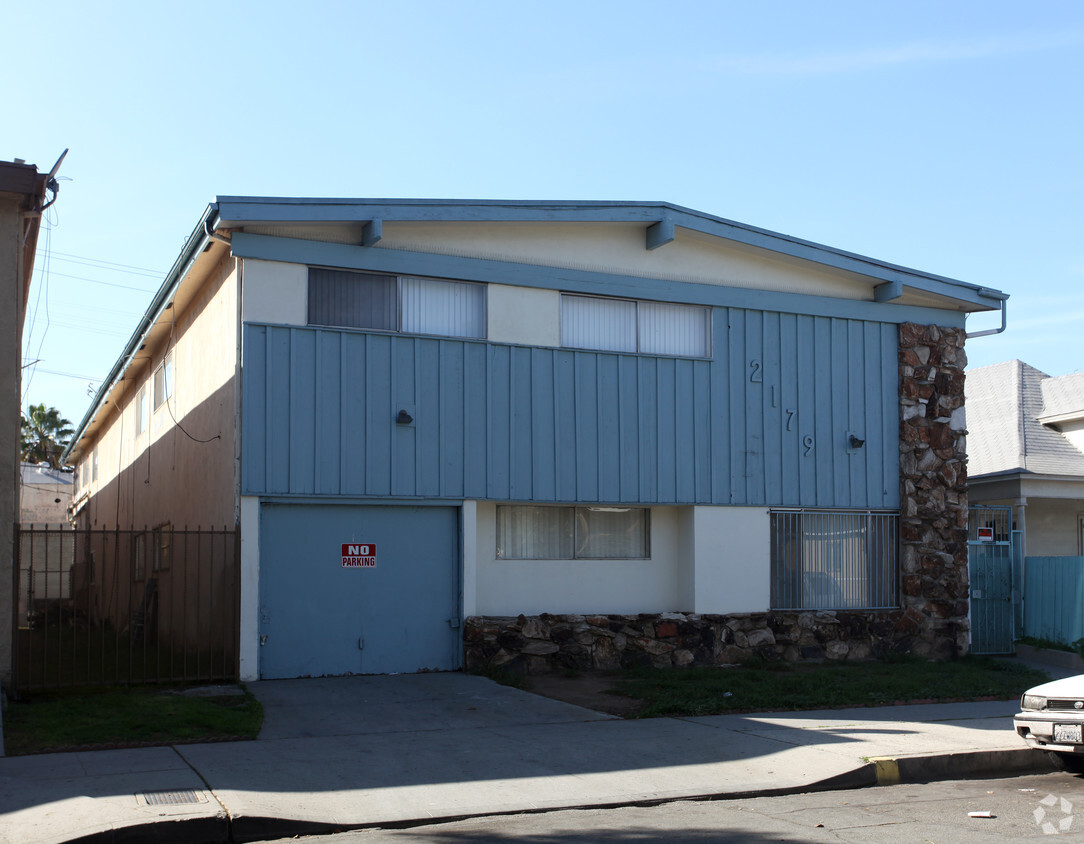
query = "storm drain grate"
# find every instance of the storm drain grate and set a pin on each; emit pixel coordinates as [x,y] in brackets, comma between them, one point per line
[172,798]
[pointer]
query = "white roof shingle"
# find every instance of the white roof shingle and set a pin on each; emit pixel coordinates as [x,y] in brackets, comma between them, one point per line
[1004,403]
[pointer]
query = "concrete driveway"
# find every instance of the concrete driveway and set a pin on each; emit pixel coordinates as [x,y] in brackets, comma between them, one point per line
[346,706]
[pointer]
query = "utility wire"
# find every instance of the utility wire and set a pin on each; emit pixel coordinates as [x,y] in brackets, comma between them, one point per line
[106,283]
[97,262]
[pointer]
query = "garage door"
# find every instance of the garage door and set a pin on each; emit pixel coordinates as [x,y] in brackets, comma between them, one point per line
[322,614]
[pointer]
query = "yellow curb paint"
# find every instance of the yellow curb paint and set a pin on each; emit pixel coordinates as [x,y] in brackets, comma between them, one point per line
[887,770]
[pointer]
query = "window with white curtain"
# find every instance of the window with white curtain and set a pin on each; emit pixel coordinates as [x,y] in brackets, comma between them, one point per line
[526,532]
[626,325]
[348,299]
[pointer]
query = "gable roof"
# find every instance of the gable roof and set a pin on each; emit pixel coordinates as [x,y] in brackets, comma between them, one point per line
[658,219]
[1005,403]
[231,222]
[1063,399]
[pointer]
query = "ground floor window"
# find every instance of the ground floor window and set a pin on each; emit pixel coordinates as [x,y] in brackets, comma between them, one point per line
[834,559]
[526,532]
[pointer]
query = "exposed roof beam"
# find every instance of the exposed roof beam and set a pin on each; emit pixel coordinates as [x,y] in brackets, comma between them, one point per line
[660,233]
[371,232]
[888,291]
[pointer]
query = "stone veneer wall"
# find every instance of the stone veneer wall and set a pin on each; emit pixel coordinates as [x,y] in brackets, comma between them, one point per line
[932,620]
[933,490]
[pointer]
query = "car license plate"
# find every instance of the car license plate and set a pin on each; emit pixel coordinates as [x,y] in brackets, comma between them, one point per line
[1067,734]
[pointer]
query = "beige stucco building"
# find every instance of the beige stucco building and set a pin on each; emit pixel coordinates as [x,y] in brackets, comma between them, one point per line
[22,198]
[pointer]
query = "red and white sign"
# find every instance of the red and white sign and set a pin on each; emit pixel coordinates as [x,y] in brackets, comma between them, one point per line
[359,555]
[986,534]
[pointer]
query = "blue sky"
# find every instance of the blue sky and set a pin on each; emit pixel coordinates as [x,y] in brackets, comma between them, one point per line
[947,137]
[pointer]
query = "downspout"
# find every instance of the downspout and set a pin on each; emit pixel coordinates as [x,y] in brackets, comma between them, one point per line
[987,332]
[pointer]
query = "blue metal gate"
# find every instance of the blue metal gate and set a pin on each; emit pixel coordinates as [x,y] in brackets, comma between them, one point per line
[990,566]
[325,612]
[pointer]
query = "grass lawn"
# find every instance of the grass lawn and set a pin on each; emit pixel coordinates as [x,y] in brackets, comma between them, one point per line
[788,686]
[126,717]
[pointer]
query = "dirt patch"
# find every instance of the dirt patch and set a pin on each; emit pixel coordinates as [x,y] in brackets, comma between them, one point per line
[586,689]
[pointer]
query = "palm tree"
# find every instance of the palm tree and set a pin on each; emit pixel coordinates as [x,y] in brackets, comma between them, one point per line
[44,435]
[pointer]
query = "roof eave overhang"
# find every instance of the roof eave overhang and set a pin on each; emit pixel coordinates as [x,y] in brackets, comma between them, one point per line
[194,246]
[1055,420]
[658,218]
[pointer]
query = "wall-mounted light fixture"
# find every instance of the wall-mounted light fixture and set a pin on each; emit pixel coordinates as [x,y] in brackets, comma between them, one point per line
[855,441]
[403,418]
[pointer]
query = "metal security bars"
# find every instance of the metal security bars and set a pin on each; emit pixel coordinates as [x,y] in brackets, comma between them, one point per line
[101,606]
[834,559]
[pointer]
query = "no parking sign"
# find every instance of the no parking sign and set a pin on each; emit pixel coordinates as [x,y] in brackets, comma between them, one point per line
[359,555]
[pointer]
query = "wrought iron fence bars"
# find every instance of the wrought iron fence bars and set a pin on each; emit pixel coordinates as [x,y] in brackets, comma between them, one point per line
[103,606]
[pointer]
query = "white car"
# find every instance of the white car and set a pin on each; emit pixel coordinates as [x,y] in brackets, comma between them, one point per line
[1052,719]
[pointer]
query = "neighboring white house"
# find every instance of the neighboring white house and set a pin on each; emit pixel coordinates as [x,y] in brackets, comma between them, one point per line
[45,495]
[1026,449]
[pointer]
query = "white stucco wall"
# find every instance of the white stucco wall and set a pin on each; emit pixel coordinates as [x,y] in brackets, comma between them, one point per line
[1053,527]
[274,292]
[703,559]
[731,552]
[249,646]
[45,505]
[510,587]
[469,533]
[1074,432]
[524,315]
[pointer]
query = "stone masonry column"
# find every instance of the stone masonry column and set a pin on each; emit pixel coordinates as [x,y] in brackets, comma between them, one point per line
[933,492]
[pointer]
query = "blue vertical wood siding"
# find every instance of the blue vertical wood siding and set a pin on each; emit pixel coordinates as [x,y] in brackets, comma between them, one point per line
[765,422]
[1054,598]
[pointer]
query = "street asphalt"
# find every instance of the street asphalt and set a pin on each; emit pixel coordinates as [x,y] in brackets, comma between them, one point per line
[358,752]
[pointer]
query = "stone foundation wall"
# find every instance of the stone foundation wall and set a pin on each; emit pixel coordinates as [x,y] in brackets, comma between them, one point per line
[932,620]
[545,643]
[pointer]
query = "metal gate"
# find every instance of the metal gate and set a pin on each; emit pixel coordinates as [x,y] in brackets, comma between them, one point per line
[391,608]
[107,606]
[991,561]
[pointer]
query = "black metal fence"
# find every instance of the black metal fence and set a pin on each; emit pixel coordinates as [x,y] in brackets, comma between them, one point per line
[100,606]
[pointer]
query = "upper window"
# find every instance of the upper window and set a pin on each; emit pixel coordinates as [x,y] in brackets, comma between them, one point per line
[626,325]
[572,533]
[826,560]
[141,411]
[94,464]
[348,299]
[163,381]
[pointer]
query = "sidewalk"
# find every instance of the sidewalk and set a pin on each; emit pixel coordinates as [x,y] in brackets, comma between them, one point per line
[422,748]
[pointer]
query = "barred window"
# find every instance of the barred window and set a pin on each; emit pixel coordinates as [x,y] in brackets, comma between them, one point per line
[834,559]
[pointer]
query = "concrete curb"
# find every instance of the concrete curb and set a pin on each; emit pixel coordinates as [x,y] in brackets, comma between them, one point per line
[184,831]
[893,770]
[879,771]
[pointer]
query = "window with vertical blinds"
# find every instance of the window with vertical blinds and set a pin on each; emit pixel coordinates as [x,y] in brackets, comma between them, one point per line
[348,299]
[526,532]
[624,325]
